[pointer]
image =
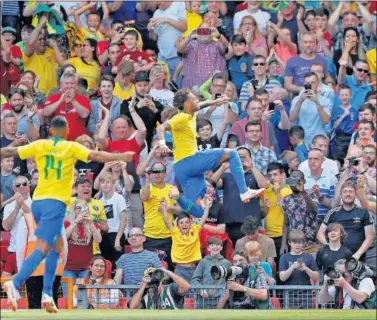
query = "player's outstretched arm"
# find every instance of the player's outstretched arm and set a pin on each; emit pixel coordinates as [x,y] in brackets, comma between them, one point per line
[8,152]
[102,156]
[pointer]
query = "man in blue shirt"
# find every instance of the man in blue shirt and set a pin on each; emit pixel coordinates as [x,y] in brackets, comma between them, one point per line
[357,82]
[311,110]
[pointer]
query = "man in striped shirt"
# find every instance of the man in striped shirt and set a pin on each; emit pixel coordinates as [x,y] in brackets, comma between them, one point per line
[130,267]
[322,184]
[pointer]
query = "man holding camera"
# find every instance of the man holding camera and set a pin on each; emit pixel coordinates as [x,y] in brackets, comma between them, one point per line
[152,295]
[349,290]
[311,110]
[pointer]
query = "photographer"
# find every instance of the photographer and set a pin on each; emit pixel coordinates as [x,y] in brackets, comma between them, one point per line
[152,295]
[348,291]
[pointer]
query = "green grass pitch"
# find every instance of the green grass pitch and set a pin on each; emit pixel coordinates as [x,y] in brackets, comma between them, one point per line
[193,314]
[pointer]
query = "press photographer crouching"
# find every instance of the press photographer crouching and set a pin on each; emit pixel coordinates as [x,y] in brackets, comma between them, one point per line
[246,284]
[153,295]
[350,285]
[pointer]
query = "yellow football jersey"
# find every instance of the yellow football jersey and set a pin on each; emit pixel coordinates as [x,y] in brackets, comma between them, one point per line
[55,160]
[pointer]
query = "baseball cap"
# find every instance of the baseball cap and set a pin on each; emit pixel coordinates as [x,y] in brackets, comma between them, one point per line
[141,76]
[83,179]
[8,29]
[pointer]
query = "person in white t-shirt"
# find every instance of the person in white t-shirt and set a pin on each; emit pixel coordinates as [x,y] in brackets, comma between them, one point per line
[118,218]
[166,26]
[13,212]
[330,167]
[261,17]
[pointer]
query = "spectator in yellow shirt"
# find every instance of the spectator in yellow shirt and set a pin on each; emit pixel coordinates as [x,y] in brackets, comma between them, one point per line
[40,59]
[124,87]
[372,62]
[185,237]
[273,199]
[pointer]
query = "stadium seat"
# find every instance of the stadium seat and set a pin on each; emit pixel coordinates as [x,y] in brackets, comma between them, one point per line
[1,267]
[127,249]
[21,303]
[4,244]
[275,302]
[5,236]
[3,252]
[122,303]
[109,268]
[62,303]
[189,303]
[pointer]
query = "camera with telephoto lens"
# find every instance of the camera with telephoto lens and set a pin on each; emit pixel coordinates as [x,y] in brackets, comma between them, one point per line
[359,269]
[293,181]
[155,275]
[333,274]
[229,273]
[353,161]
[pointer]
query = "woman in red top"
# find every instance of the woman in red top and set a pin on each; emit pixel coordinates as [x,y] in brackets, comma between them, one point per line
[81,231]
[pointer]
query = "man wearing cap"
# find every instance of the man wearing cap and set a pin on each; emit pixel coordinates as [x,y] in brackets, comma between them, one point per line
[9,36]
[147,108]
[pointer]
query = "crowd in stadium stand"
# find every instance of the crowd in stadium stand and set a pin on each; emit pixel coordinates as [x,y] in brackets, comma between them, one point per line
[295,90]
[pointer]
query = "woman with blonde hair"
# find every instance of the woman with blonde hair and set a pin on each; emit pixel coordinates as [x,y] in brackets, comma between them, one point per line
[256,43]
[99,275]
[159,86]
[254,253]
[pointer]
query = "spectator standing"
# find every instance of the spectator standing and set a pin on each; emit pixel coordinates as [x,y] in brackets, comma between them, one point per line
[311,110]
[366,112]
[166,26]
[124,87]
[159,85]
[201,55]
[130,266]
[360,235]
[255,41]
[7,178]
[297,268]
[40,59]
[297,67]
[117,215]
[335,249]
[251,231]
[322,185]
[261,155]
[155,190]
[74,107]
[300,213]
[253,10]
[329,166]
[235,210]
[296,139]
[9,36]
[273,200]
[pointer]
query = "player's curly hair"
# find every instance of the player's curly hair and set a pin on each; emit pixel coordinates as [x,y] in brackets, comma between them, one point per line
[180,98]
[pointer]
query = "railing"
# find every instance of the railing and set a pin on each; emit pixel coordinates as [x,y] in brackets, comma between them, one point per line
[282,297]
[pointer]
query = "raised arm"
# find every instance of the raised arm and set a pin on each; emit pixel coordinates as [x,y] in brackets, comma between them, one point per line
[333,20]
[165,214]
[101,140]
[139,123]
[30,46]
[77,13]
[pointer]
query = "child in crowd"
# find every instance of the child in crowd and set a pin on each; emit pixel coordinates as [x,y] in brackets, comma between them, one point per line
[275,71]
[254,253]
[124,87]
[205,138]
[133,53]
[239,66]
[193,17]
[343,119]
[291,159]
[185,251]
[298,269]
[202,274]
[296,139]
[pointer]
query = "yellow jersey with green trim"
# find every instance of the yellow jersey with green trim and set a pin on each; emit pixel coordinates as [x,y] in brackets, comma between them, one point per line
[55,160]
[183,129]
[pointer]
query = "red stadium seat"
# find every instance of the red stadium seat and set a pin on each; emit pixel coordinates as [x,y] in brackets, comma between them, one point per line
[275,302]
[109,268]
[4,252]
[122,303]
[62,303]
[5,236]
[1,267]
[189,303]
[21,303]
